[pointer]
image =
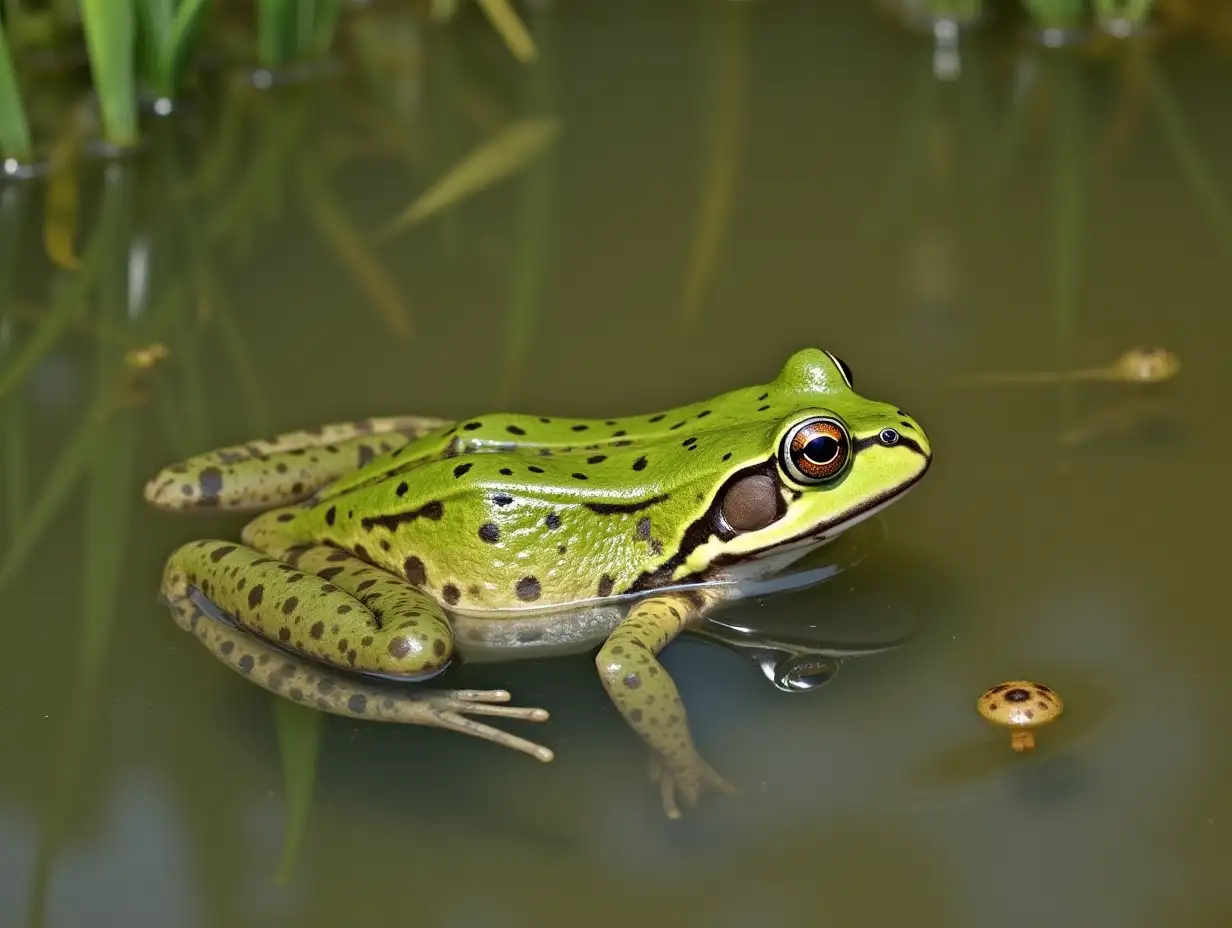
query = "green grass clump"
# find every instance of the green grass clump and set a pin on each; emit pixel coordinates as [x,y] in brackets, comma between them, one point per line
[295,30]
[1056,14]
[168,32]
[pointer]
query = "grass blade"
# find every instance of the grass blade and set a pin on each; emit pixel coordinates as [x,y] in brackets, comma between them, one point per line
[1202,183]
[1056,14]
[14,128]
[299,743]
[13,206]
[494,160]
[153,36]
[727,114]
[512,30]
[535,225]
[68,301]
[185,29]
[60,214]
[276,28]
[332,223]
[61,211]
[325,21]
[110,30]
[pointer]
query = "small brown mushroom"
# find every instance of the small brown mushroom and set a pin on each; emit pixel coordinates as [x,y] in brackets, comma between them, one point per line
[1021,706]
[1146,365]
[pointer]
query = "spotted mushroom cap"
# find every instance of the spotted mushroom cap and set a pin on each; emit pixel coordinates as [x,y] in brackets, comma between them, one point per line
[1020,704]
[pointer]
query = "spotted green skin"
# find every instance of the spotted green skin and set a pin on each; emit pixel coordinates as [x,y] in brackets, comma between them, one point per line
[382,532]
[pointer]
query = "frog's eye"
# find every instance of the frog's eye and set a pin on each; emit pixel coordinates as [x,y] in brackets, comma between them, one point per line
[815,450]
[843,369]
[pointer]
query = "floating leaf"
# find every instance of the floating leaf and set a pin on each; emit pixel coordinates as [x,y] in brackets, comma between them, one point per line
[494,160]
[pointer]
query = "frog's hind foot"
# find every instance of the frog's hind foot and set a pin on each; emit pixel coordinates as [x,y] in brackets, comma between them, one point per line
[689,785]
[448,708]
[338,693]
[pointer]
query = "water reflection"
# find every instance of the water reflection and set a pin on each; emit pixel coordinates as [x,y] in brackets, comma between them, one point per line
[1032,210]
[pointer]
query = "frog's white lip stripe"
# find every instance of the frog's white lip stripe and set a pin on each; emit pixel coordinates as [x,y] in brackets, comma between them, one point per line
[849,519]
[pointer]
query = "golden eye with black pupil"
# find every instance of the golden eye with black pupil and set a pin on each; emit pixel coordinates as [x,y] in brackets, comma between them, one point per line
[843,369]
[815,450]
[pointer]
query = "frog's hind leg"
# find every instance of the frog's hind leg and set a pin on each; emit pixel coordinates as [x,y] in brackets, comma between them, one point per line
[281,470]
[231,597]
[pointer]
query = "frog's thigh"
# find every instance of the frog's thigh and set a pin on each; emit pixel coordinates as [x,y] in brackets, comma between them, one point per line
[382,625]
[646,695]
[281,470]
[339,693]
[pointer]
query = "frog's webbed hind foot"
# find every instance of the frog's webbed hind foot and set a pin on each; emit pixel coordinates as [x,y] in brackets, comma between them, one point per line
[702,779]
[448,709]
[338,692]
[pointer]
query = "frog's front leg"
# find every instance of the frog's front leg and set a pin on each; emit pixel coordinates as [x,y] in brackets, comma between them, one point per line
[647,697]
[341,611]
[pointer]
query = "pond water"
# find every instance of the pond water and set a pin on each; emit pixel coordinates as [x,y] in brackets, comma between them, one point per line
[731,182]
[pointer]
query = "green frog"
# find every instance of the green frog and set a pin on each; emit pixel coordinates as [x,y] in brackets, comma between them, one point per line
[386,548]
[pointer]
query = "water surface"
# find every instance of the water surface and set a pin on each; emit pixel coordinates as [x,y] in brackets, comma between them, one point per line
[732,182]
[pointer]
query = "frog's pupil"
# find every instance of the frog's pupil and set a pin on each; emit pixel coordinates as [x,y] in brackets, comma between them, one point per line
[821,450]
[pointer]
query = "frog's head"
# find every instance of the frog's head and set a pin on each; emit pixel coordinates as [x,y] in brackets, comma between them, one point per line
[823,459]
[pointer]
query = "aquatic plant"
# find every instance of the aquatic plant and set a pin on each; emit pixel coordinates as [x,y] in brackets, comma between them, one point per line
[150,49]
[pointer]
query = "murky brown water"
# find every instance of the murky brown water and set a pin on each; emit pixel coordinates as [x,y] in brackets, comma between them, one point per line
[1039,213]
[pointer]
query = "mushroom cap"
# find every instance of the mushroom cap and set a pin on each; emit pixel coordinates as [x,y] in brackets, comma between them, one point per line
[1020,704]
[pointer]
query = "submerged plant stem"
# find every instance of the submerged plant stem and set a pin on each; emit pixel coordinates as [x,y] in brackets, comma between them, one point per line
[1194,166]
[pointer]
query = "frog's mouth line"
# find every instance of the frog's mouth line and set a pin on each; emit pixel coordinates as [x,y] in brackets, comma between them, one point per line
[711,524]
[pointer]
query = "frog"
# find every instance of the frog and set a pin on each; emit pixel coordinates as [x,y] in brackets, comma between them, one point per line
[379,552]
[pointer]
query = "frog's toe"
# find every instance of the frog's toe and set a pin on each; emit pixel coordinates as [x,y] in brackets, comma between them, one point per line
[449,708]
[687,783]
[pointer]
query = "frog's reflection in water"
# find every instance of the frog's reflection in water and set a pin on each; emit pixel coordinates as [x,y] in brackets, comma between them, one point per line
[844,607]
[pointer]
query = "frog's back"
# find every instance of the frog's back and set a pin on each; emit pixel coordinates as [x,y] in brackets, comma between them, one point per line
[493,530]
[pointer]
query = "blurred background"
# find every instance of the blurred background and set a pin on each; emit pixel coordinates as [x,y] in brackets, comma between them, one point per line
[223,219]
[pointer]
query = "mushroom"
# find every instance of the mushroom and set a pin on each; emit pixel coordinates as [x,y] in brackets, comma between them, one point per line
[1021,706]
[1146,365]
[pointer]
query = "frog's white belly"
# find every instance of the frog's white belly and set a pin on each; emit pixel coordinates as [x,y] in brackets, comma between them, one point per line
[536,634]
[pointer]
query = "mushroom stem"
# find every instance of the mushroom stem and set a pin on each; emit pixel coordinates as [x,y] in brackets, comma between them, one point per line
[1022,739]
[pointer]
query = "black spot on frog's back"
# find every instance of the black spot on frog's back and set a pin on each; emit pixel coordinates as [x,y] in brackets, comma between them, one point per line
[210,484]
[528,589]
[414,570]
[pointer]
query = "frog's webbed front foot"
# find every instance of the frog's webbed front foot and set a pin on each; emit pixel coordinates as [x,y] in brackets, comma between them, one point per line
[645,694]
[201,584]
[708,781]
